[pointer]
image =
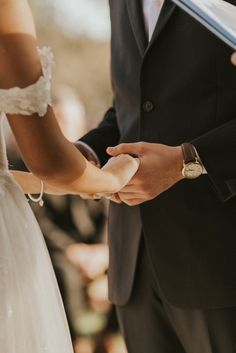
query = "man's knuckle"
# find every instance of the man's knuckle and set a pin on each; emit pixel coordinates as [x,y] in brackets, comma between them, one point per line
[141,147]
[139,178]
[127,202]
[142,186]
[141,189]
[151,194]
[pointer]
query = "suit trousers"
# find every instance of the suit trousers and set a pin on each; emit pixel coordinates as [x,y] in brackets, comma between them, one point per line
[150,324]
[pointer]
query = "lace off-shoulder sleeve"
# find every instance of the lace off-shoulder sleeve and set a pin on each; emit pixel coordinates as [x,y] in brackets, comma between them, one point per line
[34,98]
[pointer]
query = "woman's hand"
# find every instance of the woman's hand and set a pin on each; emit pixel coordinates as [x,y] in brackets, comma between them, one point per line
[122,168]
[119,169]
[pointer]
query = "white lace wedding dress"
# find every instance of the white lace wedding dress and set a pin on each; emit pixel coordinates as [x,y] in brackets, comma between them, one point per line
[32,318]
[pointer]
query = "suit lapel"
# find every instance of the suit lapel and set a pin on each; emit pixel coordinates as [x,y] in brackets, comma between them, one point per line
[137,22]
[166,12]
[135,12]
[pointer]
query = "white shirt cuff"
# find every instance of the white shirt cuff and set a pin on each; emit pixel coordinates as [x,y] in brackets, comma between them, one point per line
[204,171]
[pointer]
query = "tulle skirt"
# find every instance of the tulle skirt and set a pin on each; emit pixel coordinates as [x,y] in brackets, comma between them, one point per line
[32,318]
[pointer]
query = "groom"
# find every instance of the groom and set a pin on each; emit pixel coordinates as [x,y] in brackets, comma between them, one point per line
[172,270]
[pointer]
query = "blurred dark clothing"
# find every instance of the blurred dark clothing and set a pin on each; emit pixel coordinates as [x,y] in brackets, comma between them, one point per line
[65,220]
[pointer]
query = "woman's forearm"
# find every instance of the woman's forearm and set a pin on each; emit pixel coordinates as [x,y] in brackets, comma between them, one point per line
[46,152]
[44,148]
[30,184]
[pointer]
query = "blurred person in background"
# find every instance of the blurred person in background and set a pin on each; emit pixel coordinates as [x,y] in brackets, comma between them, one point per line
[70,112]
[92,261]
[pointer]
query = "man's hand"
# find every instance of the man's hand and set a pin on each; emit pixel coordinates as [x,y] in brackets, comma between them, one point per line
[233,58]
[160,168]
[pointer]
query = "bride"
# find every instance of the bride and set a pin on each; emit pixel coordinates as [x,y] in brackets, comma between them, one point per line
[32,319]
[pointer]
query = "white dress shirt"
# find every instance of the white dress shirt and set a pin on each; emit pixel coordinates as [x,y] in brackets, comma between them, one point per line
[151,11]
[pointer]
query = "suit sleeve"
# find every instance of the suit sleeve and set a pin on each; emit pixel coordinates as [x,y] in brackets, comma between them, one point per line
[217,150]
[106,134]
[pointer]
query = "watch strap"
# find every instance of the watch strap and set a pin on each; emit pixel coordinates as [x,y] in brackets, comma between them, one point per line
[189,153]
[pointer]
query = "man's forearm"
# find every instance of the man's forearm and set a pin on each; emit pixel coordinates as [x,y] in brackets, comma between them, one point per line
[106,134]
[88,153]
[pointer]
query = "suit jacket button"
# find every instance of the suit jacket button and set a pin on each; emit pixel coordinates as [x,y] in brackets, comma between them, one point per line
[148,106]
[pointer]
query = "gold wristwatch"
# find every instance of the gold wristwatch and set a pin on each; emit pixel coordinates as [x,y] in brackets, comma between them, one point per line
[192,165]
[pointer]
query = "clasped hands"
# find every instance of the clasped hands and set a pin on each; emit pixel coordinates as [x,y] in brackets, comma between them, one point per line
[159,169]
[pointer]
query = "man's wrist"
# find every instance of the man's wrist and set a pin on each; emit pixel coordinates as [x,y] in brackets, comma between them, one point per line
[88,153]
[192,164]
[178,157]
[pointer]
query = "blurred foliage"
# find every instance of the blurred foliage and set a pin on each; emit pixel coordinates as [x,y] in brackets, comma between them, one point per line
[80,62]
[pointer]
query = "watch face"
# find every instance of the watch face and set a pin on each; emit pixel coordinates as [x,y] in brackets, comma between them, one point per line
[192,170]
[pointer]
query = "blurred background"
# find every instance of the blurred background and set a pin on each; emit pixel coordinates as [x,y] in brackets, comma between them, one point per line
[78,31]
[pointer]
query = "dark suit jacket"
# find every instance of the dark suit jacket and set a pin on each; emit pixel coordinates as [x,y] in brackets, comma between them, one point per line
[190,230]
